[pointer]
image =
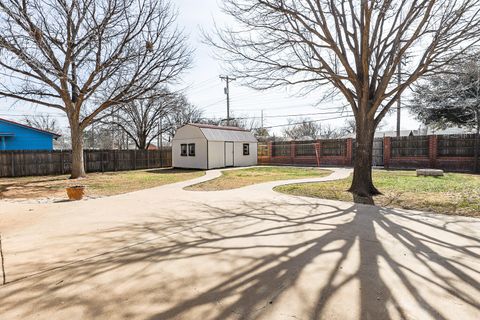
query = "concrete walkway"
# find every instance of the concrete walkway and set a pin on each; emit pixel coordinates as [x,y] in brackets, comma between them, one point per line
[249,253]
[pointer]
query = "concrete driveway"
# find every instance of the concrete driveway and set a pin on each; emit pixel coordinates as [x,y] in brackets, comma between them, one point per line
[250,253]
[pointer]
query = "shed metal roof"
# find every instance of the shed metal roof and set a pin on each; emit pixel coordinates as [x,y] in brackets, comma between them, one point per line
[218,133]
[211,126]
[228,135]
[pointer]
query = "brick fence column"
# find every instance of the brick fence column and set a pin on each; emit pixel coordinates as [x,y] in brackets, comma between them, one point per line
[292,152]
[270,151]
[349,157]
[432,151]
[319,144]
[387,152]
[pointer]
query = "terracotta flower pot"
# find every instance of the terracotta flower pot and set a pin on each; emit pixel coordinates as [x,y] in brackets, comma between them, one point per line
[76,192]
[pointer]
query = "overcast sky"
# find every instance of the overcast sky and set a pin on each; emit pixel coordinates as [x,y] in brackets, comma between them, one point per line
[205,89]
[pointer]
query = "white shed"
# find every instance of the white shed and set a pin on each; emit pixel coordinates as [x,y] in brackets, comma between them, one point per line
[202,146]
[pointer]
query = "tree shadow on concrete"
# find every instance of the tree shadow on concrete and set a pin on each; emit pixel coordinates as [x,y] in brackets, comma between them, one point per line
[249,260]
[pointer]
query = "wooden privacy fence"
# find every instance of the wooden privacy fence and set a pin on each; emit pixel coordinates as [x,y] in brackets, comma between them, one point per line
[36,163]
[448,152]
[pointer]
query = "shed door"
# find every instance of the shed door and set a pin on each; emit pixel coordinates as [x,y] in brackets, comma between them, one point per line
[228,154]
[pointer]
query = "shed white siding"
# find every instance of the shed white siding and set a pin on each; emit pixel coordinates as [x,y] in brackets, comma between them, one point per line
[245,160]
[210,151]
[187,135]
[199,161]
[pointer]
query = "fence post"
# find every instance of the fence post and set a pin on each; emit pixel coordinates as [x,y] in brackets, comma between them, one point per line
[270,151]
[114,160]
[13,163]
[148,159]
[317,147]
[387,152]
[135,159]
[85,165]
[432,151]
[62,160]
[476,153]
[37,167]
[320,146]
[161,157]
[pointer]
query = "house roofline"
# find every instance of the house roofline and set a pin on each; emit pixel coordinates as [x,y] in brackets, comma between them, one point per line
[56,135]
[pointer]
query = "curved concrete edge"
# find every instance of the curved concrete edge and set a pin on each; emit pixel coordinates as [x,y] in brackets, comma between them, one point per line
[336,174]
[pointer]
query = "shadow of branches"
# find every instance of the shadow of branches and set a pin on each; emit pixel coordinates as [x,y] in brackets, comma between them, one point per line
[269,260]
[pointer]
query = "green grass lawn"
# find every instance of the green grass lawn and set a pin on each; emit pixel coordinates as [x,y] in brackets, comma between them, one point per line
[454,193]
[97,184]
[232,179]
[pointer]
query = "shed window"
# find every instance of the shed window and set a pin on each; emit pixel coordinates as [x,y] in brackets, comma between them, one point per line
[191,149]
[183,150]
[246,149]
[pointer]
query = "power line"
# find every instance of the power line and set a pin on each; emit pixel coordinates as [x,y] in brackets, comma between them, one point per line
[52,115]
[287,115]
[211,104]
[311,121]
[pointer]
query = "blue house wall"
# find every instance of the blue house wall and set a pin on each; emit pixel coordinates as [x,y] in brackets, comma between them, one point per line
[18,137]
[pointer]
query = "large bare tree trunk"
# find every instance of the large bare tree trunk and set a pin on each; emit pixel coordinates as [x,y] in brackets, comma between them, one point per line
[142,141]
[362,186]
[78,169]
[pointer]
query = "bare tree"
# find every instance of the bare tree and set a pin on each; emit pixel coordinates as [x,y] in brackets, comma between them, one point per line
[261,134]
[305,129]
[101,135]
[327,131]
[85,56]
[349,127]
[354,47]
[43,121]
[144,120]
[49,123]
[244,122]
[184,113]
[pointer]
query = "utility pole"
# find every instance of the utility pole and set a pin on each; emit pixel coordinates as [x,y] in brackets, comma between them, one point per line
[399,101]
[227,92]
[262,120]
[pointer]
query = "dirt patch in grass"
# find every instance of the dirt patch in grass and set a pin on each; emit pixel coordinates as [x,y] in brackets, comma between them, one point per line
[232,179]
[97,184]
[454,193]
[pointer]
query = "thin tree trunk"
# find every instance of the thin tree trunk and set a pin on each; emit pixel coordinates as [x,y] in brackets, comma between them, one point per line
[78,170]
[362,186]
